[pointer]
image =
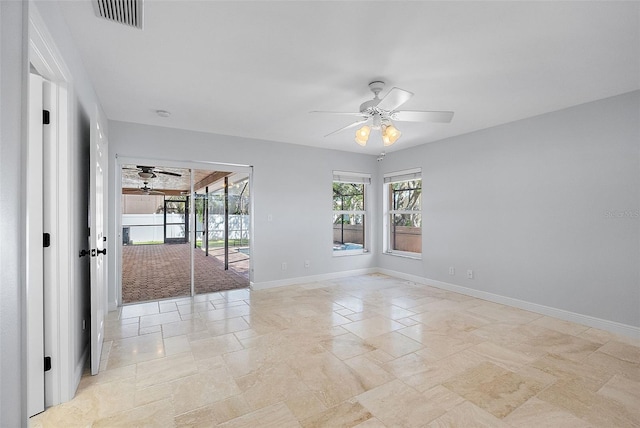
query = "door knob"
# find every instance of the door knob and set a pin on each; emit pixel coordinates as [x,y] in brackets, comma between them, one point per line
[84,253]
[103,251]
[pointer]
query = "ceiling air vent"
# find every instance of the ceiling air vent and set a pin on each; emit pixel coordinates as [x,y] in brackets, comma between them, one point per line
[127,12]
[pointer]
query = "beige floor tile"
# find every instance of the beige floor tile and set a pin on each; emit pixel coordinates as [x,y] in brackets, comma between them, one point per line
[269,385]
[502,356]
[540,414]
[371,423]
[149,394]
[182,327]
[372,327]
[157,414]
[305,404]
[622,351]
[347,346]
[165,369]
[397,404]
[136,349]
[203,417]
[493,388]
[347,414]
[368,351]
[395,344]
[230,408]
[467,415]
[226,326]
[562,326]
[612,365]
[624,391]
[176,345]
[118,330]
[139,309]
[329,378]
[368,372]
[591,377]
[435,345]
[597,409]
[163,318]
[214,346]
[202,388]
[226,313]
[275,416]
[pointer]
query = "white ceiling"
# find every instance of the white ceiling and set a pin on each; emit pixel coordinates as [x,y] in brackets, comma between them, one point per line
[256,69]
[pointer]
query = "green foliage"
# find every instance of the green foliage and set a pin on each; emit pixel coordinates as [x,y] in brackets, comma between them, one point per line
[348,196]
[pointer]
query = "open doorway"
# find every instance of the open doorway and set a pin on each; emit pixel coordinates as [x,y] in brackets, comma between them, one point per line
[176,241]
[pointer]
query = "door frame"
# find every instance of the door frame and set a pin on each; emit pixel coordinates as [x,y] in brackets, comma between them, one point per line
[62,380]
[115,295]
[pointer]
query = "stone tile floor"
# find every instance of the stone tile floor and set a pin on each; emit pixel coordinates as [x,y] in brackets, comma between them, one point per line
[366,351]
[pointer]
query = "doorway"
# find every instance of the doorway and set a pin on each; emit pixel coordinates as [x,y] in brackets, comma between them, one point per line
[177,238]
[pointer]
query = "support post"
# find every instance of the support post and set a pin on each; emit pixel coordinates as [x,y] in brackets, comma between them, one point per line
[226,223]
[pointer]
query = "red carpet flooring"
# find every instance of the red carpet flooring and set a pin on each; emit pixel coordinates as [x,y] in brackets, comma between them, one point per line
[153,272]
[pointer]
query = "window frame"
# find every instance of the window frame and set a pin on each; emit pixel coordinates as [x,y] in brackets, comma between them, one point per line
[353,178]
[388,211]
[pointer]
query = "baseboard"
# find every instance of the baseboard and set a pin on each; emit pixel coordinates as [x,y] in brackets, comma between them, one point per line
[311,278]
[587,320]
[79,369]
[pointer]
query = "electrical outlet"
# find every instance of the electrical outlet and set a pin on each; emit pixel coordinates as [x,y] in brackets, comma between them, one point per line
[307,264]
[284,265]
[452,270]
[469,274]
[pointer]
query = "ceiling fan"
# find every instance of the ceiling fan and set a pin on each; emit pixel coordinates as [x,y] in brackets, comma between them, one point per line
[147,172]
[379,114]
[144,190]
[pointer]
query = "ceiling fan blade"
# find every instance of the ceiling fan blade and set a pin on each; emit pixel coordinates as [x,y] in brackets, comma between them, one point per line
[394,99]
[422,116]
[353,125]
[341,113]
[175,174]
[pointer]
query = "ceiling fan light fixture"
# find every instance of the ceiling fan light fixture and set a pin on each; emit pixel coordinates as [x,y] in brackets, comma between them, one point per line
[390,134]
[146,174]
[362,135]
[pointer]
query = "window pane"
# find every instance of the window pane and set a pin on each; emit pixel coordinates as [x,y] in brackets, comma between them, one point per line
[406,195]
[406,232]
[348,196]
[348,232]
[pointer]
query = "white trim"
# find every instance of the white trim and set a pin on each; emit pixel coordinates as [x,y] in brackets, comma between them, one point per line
[311,278]
[45,57]
[587,320]
[351,177]
[79,368]
[406,175]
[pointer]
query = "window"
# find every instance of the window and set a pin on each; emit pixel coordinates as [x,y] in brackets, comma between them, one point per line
[403,215]
[349,213]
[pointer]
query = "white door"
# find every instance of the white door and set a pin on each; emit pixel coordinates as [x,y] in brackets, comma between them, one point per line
[97,170]
[35,251]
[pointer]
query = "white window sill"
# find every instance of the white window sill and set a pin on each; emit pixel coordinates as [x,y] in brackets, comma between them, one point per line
[414,256]
[350,253]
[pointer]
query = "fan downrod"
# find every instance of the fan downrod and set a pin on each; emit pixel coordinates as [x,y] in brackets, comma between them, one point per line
[376,87]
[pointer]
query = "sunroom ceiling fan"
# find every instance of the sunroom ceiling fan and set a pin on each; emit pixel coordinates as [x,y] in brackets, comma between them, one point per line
[144,190]
[147,172]
[380,113]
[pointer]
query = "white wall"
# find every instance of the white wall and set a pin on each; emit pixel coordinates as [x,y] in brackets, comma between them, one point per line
[291,183]
[544,210]
[13,410]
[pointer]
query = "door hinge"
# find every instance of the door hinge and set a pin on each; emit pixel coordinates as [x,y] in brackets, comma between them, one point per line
[47,364]
[46,117]
[46,240]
